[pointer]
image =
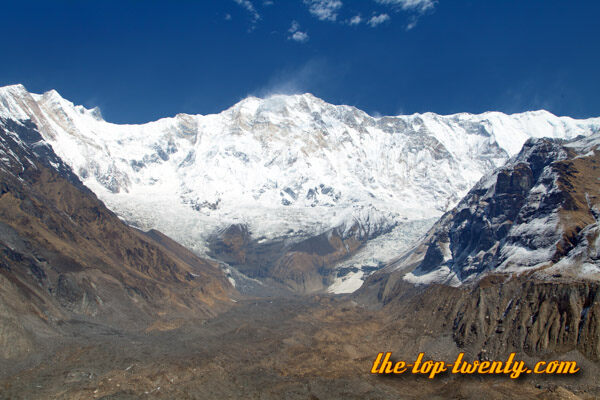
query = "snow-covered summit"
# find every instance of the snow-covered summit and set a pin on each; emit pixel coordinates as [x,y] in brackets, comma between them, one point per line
[286,164]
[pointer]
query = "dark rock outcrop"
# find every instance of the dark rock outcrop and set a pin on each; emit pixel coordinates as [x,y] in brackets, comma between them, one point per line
[305,266]
[499,315]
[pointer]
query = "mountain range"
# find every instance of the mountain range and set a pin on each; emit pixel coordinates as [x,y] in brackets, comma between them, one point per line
[288,189]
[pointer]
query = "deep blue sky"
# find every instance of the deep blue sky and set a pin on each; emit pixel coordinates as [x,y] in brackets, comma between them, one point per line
[141,60]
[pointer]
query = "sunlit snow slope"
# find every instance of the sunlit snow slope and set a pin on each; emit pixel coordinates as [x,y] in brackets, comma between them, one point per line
[287,166]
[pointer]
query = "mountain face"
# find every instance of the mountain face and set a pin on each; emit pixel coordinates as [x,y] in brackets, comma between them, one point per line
[65,257]
[538,213]
[515,265]
[291,189]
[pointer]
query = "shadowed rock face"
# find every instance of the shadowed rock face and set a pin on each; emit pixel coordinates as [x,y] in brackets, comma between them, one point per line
[232,244]
[305,266]
[308,265]
[478,229]
[539,212]
[64,255]
[499,315]
[535,317]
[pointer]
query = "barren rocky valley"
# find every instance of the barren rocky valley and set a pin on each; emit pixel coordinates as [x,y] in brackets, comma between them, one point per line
[288,348]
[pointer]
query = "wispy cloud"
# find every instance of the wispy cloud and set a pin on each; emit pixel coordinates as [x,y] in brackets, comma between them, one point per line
[357,19]
[417,5]
[296,34]
[315,75]
[247,4]
[331,11]
[324,10]
[377,20]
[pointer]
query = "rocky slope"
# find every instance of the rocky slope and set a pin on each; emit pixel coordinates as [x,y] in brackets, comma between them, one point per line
[515,265]
[66,259]
[495,316]
[537,213]
[288,169]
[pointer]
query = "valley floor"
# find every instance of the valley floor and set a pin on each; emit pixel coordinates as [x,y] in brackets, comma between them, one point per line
[319,347]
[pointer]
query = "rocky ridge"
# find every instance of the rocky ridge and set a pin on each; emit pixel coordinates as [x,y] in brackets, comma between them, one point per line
[66,259]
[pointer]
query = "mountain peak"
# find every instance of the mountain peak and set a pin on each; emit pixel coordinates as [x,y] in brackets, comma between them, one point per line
[13,88]
[274,101]
[52,94]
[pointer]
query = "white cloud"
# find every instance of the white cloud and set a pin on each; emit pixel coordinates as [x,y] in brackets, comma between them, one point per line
[418,5]
[296,34]
[227,17]
[378,19]
[268,3]
[247,4]
[411,24]
[357,19]
[324,10]
[299,36]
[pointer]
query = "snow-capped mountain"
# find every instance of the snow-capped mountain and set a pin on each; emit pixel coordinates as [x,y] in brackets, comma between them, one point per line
[286,167]
[536,214]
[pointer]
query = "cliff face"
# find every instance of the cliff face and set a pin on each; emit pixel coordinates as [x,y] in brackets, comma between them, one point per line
[65,256]
[499,315]
[535,317]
